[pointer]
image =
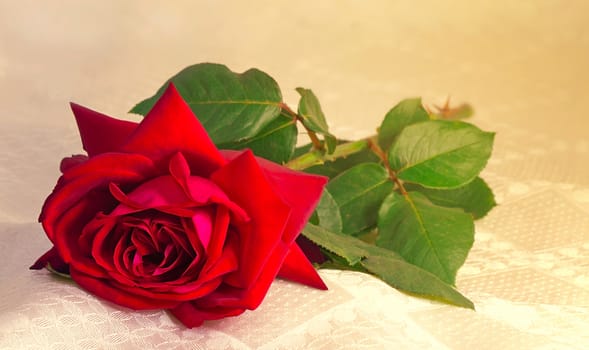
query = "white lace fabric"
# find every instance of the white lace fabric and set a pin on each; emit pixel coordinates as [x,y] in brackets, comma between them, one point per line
[521,64]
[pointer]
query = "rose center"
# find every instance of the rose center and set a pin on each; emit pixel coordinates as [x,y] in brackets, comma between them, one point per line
[154,246]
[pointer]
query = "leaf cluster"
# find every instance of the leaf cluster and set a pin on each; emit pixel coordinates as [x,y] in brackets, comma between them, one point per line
[399,205]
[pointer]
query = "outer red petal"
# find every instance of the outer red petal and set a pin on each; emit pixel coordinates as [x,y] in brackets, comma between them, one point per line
[171,127]
[296,267]
[70,162]
[268,213]
[51,257]
[300,191]
[193,316]
[101,133]
[251,297]
[80,185]
[103,289]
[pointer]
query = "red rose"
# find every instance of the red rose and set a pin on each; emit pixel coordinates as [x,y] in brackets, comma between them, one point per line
[157,217]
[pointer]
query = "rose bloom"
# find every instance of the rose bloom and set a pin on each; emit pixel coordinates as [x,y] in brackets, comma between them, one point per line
[156,217]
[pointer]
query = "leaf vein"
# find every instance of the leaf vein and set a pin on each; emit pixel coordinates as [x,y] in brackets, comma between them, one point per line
[426,233]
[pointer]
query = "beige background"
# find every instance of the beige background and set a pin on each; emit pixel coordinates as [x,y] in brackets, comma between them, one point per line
[359,56]
[522,64]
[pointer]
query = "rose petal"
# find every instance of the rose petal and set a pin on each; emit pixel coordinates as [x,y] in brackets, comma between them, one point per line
[268,214]
[72,246]
[156,193]
[251,296]
[218,238]
[101,133]
[70,162]
[300,191]
[180,170]
[296,267]
[119,295]
[165,194]
[171,127]
[51,257]
[77,182]
[193,316]
[203,225]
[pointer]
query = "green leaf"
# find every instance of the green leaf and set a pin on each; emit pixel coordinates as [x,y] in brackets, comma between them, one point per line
[435,238]
[328,213]
[359,192]
[276,142]
[350,248]
[413,279]
[231,106]
[406,112]
[313,117]
[475,198]
[385,264]
[440,154]
[339,165]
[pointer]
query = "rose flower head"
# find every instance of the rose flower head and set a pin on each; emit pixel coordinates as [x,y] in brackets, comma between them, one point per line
[156,217]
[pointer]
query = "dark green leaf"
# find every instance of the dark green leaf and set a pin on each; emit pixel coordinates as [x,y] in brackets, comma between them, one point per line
[440,154]
[313,117]
[406,112]
[385,264]
[231,107]
[475,197]
[328,213]
[276,142]
[358,192]
[434,238]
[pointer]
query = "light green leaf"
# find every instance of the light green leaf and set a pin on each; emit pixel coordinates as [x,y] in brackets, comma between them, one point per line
[386,265]
[328,213]
[434,238]
[231,106]
[475,197]
[276,142]
[440,154]
[406,112]
[359,192]
[313,117]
